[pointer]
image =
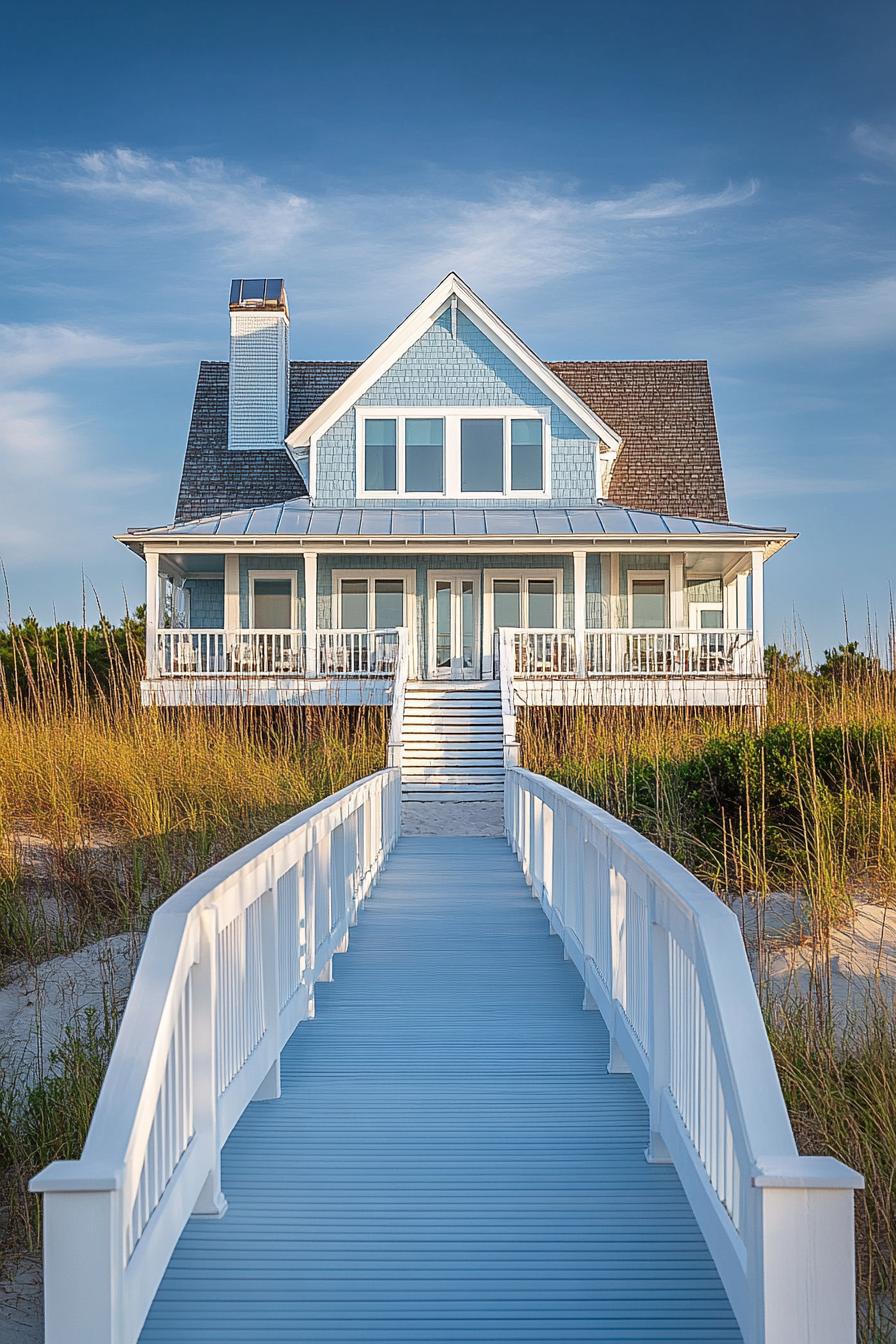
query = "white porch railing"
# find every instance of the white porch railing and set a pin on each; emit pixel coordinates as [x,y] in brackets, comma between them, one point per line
[357,653]
[664,962]
[227,653]
[656,652]
[227,973]
[272,653]
[537,653]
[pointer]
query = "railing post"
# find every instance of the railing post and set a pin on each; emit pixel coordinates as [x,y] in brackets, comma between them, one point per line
[660,1041]
[83,1258]
[269,1089]
[211,1202]
[801,1252]
[310,558]
[152,613]
[618,960]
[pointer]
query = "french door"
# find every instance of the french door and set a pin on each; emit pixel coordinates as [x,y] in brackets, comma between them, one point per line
[454,625]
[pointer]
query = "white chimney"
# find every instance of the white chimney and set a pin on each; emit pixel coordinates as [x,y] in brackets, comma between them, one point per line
[259,364]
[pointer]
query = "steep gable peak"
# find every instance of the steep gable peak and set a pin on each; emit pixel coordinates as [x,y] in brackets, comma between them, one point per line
[454,295]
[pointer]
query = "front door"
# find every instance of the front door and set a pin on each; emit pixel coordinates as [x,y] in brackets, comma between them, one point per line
[454,625]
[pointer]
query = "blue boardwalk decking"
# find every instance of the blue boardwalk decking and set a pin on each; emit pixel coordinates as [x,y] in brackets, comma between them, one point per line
[450,1159]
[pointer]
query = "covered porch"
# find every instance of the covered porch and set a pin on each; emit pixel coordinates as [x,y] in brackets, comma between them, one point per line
[592,623]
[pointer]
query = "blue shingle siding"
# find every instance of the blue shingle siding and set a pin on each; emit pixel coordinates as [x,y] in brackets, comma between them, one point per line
[284,562]
[467,370]
[420,568]
[206,603]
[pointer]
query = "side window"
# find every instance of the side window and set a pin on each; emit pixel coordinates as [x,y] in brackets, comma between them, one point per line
[380,466]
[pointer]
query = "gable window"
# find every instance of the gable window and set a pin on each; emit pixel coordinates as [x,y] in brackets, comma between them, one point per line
[424,456]
[380,473]
[526,455]
[453,452]
[482,457]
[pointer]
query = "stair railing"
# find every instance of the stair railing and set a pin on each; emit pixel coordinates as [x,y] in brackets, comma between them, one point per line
[227,974]
[399,687]
[506,658]
[664,962]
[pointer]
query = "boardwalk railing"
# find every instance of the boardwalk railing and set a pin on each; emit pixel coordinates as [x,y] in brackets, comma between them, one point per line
[227,973]
[663,960]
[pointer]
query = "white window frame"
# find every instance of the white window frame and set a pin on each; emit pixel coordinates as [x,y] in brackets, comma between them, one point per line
[289,574]
[452,416]
[409,591]
[653,575]
[488,604]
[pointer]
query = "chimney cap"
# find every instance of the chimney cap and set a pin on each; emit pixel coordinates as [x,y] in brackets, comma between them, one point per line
[266,293]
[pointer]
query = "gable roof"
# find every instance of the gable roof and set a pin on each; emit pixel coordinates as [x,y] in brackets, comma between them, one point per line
[669,460]
[450,292]
[299,518]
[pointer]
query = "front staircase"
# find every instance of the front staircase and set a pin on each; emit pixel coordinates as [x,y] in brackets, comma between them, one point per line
[452,744]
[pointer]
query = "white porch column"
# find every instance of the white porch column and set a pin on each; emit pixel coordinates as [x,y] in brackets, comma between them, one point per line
[152,612]
[311,613]
[231,592]
[676,590]
[758,613]
[614,608]
[741,601]
[578,600]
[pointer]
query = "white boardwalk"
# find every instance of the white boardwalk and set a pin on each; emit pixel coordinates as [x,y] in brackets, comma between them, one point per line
[450,1159]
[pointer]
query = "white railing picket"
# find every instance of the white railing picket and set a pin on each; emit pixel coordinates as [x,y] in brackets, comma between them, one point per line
[227,973]
[663,960]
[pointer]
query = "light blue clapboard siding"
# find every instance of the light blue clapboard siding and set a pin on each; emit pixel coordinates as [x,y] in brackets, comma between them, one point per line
[450,1160]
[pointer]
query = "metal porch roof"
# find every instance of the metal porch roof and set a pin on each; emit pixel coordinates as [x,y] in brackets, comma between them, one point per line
[298,517]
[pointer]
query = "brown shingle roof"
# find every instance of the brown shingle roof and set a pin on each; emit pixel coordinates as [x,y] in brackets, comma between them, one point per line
[670,459]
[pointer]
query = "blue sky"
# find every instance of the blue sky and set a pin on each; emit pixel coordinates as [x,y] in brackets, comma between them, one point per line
[638,181]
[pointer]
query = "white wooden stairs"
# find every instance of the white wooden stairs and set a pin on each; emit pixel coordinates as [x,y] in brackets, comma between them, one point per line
[452,744]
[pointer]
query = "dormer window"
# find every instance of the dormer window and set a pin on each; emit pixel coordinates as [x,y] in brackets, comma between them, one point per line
[481,452]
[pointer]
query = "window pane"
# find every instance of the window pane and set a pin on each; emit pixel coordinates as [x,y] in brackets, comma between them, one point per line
[388,604]
[507,603]
[354,604]
[424,456]
[711,618]
[273,604]
[482,457]
[379,455]
[526,455]
[541,604]
[648,603]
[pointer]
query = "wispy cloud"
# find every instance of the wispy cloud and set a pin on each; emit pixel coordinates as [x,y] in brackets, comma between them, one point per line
[50,463]
[852,313]
[232,206]
[875,142]
[504,233]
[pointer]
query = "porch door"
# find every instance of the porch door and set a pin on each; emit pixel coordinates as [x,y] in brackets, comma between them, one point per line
[454,626]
